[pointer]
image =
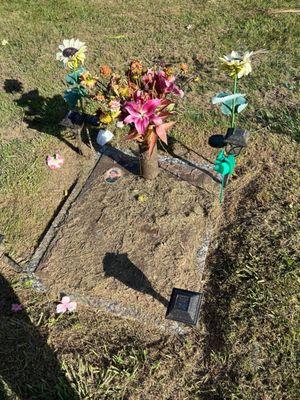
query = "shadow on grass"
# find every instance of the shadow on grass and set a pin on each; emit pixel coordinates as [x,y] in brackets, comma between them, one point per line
[172,151]
[28,367]
[44,114]
[13,86]
[120,267]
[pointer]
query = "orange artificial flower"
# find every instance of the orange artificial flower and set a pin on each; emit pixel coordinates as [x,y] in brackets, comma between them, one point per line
[136,67]
[105,70]
[184,68]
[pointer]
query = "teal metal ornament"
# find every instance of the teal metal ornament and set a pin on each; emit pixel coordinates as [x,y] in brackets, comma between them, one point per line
[71,96]
[73,78]
[224,165]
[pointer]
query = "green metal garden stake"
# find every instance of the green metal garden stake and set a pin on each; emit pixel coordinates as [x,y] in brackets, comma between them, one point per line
[224,165]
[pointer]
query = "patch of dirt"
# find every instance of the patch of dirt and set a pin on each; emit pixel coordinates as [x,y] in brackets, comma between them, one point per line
[131,242]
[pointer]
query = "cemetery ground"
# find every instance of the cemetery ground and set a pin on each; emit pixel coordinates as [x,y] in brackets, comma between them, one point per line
[246,342]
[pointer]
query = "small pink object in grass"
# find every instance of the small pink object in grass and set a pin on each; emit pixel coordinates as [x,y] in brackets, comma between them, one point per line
[55,162]
[66,305]
[16,307]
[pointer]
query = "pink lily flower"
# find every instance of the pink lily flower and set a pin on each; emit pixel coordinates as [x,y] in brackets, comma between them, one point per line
[142,113]
[66,305]
[148,78]
[16,307]
[167,85]
[55,162]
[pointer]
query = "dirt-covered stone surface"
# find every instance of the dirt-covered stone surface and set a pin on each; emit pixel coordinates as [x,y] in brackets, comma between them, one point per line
[124,246]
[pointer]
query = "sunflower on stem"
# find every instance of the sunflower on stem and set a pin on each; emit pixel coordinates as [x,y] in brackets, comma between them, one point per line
[72,53]
[236,65]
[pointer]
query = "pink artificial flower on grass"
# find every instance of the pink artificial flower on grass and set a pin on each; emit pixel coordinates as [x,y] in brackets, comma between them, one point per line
[142,113]
[66,305]
[16,307]
[55,162]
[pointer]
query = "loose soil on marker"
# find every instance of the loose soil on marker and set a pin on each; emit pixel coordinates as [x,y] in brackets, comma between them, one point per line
[129,243]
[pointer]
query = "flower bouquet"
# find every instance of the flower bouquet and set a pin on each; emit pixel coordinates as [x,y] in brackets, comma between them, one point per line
[140,98]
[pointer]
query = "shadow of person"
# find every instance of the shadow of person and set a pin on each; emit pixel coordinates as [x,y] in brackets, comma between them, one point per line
[120,267]
[44,114]
[28,367]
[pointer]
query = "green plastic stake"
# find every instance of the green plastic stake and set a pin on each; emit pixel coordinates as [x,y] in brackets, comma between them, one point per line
[224,165]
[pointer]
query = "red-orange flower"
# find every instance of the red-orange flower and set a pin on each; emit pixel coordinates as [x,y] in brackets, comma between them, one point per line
[105,70]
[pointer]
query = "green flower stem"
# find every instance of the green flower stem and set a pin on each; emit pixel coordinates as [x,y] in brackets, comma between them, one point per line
[81,105]
[233,122]
[79,130]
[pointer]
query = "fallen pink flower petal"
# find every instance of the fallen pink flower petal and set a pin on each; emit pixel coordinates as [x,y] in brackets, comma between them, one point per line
[61,308]
[55,162]
[66,305]
[16,307]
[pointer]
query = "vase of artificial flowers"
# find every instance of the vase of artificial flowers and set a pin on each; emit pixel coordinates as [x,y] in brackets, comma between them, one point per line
[140,98]
[148,110]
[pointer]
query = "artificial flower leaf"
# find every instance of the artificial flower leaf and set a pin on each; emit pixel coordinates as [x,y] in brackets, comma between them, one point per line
[161,130]
[226,108]
[241,107]
[74,77]
[164,103]
[227,105]
[133,135]
[153,140]
[218,98]
[170,107]
[82,91]
[164,114]
[225,97]
[71,96]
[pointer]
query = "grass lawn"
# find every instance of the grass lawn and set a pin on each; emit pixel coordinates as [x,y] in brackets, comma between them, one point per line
[246,347]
